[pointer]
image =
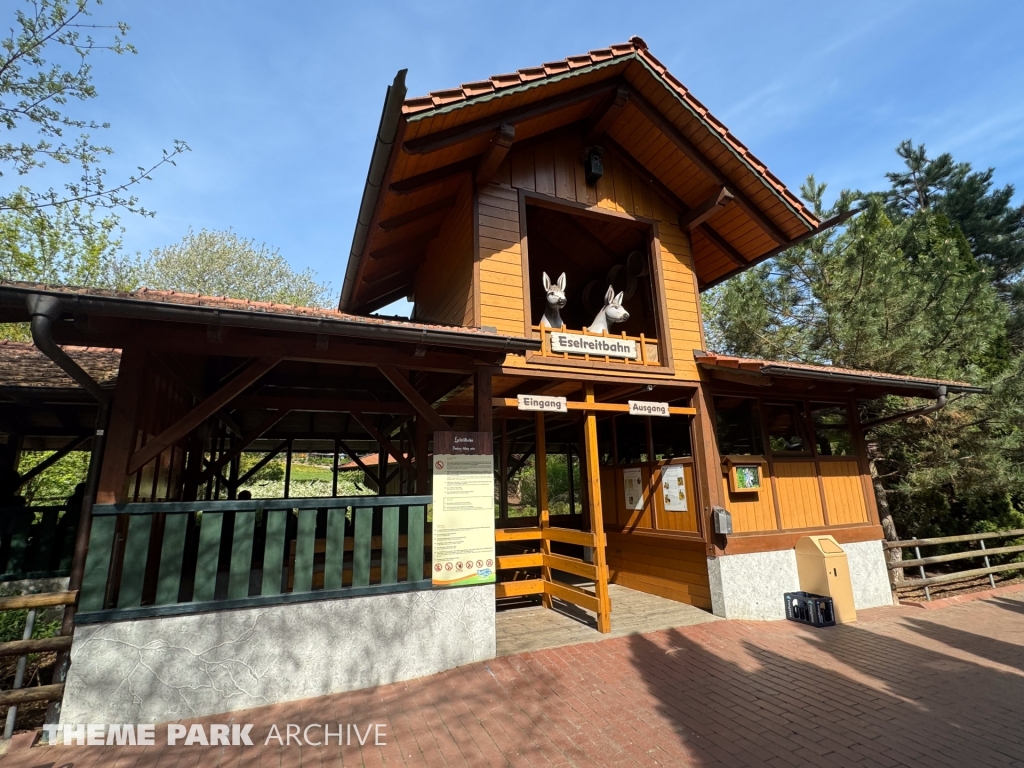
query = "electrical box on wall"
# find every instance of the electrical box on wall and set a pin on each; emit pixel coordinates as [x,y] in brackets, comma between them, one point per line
[722,520]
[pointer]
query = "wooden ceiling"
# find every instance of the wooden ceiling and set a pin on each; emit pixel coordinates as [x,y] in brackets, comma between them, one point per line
[736,210]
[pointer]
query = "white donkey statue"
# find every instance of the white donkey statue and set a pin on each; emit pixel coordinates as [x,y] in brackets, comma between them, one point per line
[611,312]
[555,301]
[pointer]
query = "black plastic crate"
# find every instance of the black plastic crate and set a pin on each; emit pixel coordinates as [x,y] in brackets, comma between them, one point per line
[806,608]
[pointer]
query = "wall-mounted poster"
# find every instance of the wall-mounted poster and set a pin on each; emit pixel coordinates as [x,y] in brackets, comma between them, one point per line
[633,488]
[463,522]
[673,488]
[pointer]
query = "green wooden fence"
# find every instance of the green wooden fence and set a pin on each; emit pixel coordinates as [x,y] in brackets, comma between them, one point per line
[170,558]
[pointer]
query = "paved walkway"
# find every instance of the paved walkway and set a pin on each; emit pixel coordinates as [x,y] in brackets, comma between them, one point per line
[902,687]
[532,629]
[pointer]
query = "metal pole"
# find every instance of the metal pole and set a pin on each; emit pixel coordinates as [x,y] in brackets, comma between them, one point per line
[19,674]
[991,581]
[927,592]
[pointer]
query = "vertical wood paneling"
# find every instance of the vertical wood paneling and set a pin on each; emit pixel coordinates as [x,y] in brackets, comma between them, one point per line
[444,282]
[554,168]
[674,569]
[844,492]
[750,511]
[799,498]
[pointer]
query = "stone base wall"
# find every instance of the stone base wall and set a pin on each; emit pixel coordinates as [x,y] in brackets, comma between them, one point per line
[168,668]
[751,586]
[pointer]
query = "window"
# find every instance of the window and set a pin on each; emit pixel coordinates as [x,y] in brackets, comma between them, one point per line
[831,430]
[786,433]
[671,437]
[738,426]
[631,440]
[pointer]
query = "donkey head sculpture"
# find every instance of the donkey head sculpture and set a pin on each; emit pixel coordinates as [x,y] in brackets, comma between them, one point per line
[555,300]
[611,312]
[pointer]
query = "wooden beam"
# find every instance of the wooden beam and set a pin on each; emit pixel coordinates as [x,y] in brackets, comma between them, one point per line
[590,451]
[695,156]
[244,442]
[606,114]
[422,212]
[323,405]
[434,176]
[201,413]
[372,478]
[495,153]
[52,459]
[717,200]
[592,405]
[262,463]
[382,440]
[722,244]
[409,392]
[413,242]
[438,140]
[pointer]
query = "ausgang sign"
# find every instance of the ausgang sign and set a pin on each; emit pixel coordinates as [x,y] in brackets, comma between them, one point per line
[542,403]
[647,408]
[600,346]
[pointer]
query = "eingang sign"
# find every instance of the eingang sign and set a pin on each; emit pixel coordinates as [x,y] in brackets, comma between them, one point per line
[599,346]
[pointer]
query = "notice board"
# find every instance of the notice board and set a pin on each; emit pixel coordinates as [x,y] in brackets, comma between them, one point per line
[463,519]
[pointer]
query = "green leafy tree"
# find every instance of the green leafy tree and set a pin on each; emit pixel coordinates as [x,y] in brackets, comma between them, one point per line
[910,288]
[44,68]
[220,263]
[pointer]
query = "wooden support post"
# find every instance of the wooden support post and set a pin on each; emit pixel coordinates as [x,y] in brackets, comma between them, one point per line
[334,483]
[707,465]
[604,619]
[121,429]
[288,469]
[503,475]
[422,460]
[482,401]
[543,513]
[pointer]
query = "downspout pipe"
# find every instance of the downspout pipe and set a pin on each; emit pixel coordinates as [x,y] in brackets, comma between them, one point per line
[938,405]
[382,148]
[46,312]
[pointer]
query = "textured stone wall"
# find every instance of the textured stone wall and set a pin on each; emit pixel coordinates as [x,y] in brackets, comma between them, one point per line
[868,574]
[751,586]
[163,669]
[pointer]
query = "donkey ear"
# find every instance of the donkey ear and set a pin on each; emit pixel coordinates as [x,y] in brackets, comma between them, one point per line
[609,295]
[546,280]
[617,301]
[561,282]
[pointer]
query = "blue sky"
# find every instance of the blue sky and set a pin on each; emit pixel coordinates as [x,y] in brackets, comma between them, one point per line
[280,101]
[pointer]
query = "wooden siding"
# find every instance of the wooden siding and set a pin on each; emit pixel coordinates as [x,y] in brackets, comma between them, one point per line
[751,511]
[500,260]
[844,492]
[685,522]
[553,168]
[444,282]
[676,569]
[799,496]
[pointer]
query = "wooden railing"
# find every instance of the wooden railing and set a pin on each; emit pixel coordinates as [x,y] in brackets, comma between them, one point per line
[982,552]
[35,542]
[21,648]
[648,350]
[170,558]
[548,562]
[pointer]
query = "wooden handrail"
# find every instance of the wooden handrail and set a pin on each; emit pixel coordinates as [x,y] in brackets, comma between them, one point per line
[42,645]
[952,539]
[955,556]
[36,693]
[974,573]
[45,600]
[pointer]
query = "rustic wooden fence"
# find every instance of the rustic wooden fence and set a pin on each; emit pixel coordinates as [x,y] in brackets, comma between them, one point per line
[18,695]
[170,558]
[982,552]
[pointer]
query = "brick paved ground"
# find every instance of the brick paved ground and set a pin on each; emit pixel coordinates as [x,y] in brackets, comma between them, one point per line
[902,687]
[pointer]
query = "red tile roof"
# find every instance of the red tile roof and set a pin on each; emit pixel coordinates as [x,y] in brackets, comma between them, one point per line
[23,365]
[767,367]
[245,305]
[634,48]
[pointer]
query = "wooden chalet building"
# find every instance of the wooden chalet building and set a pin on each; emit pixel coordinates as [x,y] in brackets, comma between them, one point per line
[603,168]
